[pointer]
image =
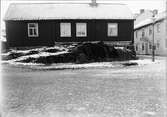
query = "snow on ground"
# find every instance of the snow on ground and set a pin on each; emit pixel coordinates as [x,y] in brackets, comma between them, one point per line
[144,61]
[58,50]
[115,64]
[57,66]
[138,91]
[62,50]
[42,54]
[76,66]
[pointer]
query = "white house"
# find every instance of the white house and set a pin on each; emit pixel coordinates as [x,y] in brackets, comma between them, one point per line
[143,34]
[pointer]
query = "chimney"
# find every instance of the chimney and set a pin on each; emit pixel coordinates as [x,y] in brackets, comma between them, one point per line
[141,11]
[155,11]
[136,15]
[93,3]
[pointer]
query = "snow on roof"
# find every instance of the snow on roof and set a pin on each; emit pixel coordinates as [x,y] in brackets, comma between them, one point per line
[43,11]
[148,21]
[161,16]
[143,23]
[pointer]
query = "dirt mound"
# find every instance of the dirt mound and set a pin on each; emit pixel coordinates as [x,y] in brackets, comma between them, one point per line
[81,53]
[96,52]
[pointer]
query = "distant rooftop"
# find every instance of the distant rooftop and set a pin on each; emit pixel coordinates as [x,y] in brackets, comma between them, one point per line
[44,11]
[149,20]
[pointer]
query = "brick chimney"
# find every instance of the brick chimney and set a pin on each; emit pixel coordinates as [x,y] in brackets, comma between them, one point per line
[93,3]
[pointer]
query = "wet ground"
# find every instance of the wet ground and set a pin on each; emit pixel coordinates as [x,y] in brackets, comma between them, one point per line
[133,91]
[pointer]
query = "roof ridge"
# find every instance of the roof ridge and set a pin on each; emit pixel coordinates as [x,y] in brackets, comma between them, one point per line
[68,2]
[29,11]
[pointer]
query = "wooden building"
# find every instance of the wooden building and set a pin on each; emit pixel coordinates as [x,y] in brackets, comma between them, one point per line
[43,24]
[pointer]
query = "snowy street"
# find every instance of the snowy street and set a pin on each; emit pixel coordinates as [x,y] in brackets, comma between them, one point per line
[129,91]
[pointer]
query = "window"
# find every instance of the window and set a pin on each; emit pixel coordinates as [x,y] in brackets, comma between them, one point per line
[154,47]
[158,44]
[143,33]
[136,47]
[32,29]
[158,27]
[150,46]
[136,34]
[112,29]
[65,29]
[142,46]
[150,31]
[81,30]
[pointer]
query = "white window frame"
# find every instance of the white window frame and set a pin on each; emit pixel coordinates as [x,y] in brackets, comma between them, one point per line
[143,33]
[65,26]
[81,27]
[109,25]
[150,31]
[34,29]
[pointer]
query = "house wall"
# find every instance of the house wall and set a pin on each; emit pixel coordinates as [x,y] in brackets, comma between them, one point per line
[17,34]
[97,31]
[49,32]
[159,39]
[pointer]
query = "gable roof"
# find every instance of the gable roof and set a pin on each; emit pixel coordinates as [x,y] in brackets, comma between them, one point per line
[143,23]
[161,16]
[149,21]
[44,11]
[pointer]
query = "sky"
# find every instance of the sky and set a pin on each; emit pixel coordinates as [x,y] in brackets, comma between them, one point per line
[134,5]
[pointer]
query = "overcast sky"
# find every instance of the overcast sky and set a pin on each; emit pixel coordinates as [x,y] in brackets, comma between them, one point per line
[134,5]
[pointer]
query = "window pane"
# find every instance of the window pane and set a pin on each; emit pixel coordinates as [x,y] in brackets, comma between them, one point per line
[65,29]
[32,25]
[32,29]
[142,46]
[150,46]
[35,32]
[143,33]
[81,30]
[136,47]
[150,31]
[112,29]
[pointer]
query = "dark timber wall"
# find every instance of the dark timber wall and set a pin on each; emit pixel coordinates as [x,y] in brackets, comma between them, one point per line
[17,34]
[49,32]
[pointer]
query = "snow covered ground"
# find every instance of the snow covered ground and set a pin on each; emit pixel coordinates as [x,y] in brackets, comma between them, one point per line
[131,91]
[58,50]
[59,66]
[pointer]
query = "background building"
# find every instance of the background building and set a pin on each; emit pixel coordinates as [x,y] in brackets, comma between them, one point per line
[143,33]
